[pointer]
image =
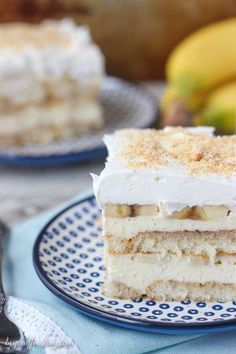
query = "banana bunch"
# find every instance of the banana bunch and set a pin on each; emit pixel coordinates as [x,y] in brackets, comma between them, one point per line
[201,74]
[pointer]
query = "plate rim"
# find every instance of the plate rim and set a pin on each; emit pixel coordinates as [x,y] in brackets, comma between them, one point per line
[53,160]
[119,319]
[58,159]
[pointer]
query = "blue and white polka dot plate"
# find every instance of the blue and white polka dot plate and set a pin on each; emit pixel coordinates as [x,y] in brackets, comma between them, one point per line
[68,257]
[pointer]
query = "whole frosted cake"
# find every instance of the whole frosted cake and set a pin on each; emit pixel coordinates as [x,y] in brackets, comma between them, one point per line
[50,79]
[168,199]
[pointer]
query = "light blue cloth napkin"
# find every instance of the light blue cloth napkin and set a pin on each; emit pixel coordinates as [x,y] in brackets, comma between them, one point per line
[91,336]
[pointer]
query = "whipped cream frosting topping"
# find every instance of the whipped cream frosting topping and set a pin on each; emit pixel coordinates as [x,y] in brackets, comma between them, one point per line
[169,185]
[55,57]
[51,49]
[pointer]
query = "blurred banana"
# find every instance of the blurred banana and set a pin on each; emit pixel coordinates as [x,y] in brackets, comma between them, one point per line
[220,109]
[204,60]
[192,103]
[169,96]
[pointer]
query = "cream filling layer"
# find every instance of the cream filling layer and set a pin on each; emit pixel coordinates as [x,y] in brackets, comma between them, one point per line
[128,227]
[75,114]
[30,90]
[139,271]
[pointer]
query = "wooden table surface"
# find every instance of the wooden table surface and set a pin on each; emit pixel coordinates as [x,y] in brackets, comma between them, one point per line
[29,191]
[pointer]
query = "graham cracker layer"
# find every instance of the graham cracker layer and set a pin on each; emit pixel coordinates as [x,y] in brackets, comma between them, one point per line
[205,243]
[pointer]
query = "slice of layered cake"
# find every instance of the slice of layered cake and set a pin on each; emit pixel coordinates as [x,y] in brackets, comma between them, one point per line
[50,80]
[169,212]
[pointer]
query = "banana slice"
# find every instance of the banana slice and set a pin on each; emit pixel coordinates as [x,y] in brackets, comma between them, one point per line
[123,210]
[184,213]
[205,213]
[117,210]
[145,210]
[210,212]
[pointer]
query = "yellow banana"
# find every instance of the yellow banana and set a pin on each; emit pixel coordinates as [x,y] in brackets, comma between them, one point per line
[220,109]
[192,103]
[169,96]
[204,60]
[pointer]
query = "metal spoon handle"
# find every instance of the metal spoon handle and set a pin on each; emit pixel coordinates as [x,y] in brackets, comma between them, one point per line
[10,335]
[3,231]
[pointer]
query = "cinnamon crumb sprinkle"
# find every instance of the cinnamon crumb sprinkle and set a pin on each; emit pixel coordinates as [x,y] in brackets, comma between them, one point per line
[199,154]
[18,35]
